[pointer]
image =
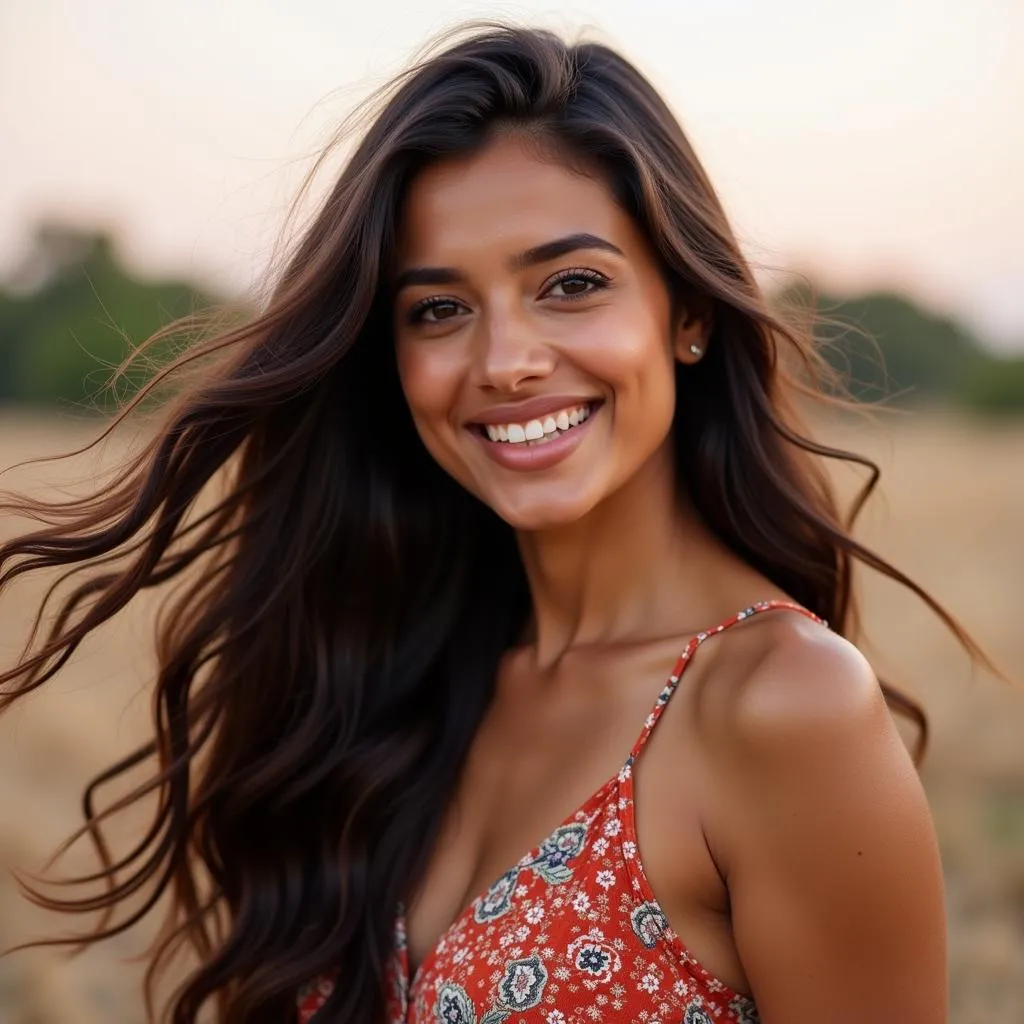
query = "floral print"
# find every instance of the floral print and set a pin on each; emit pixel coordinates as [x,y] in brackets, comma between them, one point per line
[649,923]
[523,983]
[595,958]
[572,934]
[552,859]
[695,1015]
[497,900]
[453,1006]
[744,1011]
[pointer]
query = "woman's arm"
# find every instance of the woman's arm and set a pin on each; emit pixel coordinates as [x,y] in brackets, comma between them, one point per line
[826,841]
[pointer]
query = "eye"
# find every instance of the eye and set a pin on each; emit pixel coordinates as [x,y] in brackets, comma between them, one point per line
[434,310]
[577,283]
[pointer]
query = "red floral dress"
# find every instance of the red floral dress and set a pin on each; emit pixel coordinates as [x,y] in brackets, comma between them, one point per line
[572,933]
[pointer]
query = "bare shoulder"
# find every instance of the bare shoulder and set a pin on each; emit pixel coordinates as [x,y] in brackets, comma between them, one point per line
[801,721]
[798,680]
[819,823]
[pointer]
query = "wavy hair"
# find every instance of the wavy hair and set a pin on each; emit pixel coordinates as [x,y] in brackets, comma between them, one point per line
[332,646]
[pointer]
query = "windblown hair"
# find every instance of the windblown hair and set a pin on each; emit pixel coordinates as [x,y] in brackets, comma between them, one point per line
[333,644]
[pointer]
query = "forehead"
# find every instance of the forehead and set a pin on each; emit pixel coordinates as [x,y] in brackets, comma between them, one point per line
[505,198]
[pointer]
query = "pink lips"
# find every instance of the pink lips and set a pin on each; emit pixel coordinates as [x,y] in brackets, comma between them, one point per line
[526,457]
[532,408]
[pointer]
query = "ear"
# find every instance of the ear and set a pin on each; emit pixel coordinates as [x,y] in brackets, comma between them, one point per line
[692,331]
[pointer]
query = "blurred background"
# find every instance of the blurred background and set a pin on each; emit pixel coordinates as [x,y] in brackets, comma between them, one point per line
[873,151]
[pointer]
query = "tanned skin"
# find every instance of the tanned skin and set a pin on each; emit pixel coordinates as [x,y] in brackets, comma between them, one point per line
[781,822]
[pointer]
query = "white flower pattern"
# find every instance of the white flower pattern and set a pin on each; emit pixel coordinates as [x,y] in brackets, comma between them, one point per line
[523,983]
[604,953]
[497,900]
[581,903]
[594,958]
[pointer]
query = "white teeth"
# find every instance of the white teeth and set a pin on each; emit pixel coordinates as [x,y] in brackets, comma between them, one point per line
[537,430]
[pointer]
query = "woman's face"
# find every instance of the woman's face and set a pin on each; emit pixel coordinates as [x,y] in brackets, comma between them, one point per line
[534,334]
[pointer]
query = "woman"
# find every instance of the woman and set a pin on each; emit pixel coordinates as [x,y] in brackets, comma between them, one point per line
[511,459]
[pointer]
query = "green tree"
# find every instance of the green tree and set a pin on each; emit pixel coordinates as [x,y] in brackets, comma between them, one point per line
[63,337]
[886,346]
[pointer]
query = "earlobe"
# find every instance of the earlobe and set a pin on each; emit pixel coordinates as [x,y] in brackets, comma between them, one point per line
[691,338]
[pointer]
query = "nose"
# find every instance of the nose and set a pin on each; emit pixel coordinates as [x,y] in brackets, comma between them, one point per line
[510,352]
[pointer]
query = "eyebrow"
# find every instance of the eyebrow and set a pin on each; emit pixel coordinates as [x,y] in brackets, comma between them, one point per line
[530,257]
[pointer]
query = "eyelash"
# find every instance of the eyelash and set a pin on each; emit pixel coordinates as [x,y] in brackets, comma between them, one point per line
[598,280]
[584,274]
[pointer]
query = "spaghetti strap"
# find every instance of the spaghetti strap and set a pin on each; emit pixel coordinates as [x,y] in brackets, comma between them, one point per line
[691,647]
[532,910]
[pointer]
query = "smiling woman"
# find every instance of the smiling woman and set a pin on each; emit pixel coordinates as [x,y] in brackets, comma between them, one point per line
[509,680]
[577,324]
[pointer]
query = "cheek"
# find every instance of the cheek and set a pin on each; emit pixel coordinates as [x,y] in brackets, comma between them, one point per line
[635,359]
[430,381]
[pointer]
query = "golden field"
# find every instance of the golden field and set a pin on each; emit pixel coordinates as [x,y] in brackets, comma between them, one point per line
[950,513]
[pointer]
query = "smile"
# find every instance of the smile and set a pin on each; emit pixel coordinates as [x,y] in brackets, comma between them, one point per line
[540,443]
[538,431]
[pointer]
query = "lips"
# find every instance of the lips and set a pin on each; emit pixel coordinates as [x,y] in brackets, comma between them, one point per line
[530,409]
[541,429]
[532,447]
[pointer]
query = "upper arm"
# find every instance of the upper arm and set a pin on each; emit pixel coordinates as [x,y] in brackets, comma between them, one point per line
[825,838]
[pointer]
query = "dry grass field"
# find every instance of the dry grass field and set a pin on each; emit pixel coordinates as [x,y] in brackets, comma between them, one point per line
[950,513]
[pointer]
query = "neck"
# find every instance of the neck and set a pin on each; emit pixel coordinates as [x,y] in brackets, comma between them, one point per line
[633,567]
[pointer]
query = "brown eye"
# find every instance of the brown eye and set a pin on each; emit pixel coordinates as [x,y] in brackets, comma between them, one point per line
[576,284]
[441,311]
[432,311]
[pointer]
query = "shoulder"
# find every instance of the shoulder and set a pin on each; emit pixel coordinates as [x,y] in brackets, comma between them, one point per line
[799,681]
[788,717]
[779,679]
[819,824]
[801,713]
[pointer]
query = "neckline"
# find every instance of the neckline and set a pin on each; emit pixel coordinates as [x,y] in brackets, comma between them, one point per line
[409,977]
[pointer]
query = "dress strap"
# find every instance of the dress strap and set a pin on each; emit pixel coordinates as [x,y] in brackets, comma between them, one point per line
[691,647]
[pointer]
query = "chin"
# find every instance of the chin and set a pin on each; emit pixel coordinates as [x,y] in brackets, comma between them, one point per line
[549,514]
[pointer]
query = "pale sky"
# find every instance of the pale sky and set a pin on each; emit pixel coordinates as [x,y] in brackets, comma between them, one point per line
[874,142]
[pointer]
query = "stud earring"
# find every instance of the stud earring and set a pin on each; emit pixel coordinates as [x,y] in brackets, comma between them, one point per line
[696,350]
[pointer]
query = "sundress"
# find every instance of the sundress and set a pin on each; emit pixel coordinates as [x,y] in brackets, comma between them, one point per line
[572,933]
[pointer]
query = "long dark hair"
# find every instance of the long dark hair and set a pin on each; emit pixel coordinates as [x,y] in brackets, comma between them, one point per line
[332,648]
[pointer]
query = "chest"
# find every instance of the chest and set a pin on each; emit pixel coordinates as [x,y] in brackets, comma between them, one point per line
[541,753]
